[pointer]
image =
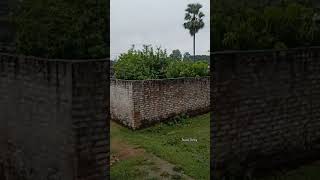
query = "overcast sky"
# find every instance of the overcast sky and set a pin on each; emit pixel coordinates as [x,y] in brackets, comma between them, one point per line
[156,22]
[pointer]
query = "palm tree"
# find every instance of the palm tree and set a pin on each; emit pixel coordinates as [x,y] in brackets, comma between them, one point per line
[193,22]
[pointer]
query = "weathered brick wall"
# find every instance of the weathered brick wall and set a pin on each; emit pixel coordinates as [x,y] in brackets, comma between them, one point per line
[265,103]
[121,101]
[53,119]
[139,103]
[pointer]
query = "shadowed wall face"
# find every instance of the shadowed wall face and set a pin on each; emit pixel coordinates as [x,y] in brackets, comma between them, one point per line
[53,119]
[265,103]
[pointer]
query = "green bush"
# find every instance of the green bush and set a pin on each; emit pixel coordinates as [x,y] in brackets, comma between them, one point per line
[178,69]
[141,64]
[251,24]
[156,64]
[186,69]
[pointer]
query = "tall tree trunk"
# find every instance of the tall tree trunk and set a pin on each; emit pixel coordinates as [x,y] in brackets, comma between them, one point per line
[194,48]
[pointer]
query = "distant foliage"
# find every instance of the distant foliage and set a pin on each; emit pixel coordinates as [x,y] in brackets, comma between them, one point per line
[198,58]
[156,64]
[251,24]
[176,54]
[186,55]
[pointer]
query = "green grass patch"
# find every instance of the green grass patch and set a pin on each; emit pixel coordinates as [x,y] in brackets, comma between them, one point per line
[128,169]
[165,141]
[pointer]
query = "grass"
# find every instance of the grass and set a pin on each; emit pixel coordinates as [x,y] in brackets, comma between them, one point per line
[191,158]
[165,141]
[128,169]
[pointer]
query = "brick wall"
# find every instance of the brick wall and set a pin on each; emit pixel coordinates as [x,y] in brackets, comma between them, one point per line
[121,101]
[139,103]
[53,119]
[265,103]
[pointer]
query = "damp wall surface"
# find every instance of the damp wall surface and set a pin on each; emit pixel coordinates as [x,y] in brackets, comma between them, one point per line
[53,119]
[265,103]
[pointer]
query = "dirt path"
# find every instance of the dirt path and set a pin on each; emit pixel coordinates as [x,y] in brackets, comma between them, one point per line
[155,167]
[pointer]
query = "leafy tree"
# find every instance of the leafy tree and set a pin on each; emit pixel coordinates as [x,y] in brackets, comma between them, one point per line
[176,54]
[194,22]
[62,28]
[267,24]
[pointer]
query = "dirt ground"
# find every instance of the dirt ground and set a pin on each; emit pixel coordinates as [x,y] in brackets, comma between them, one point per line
[156,168]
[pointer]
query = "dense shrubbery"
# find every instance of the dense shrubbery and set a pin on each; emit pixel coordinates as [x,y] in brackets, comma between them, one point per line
[186,69]
[62,29]
[156,64]
[264,24]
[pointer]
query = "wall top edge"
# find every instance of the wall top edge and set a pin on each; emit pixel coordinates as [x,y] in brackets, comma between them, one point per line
[167,79]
